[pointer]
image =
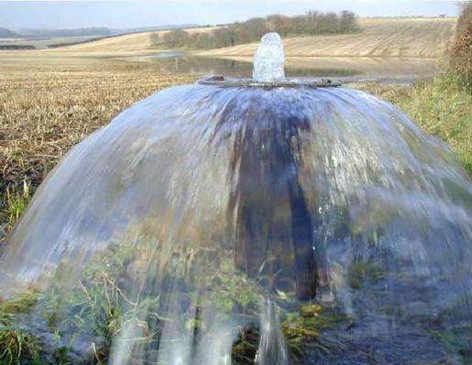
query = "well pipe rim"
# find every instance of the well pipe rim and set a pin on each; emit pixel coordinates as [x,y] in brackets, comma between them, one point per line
[219,80]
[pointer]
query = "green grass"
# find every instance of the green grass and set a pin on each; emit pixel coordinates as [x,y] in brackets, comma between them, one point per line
[17,346]
[48,41]
[457,341]
[361,273]
[22,303]
[442,108]
[17,201]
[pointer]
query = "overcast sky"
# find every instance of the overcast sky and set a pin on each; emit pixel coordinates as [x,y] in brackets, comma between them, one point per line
[131,14]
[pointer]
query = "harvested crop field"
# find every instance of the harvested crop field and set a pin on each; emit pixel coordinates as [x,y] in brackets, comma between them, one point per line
[49,106]
[379,37]
[135,42]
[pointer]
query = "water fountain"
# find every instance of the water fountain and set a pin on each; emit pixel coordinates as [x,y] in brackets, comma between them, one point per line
[199,215]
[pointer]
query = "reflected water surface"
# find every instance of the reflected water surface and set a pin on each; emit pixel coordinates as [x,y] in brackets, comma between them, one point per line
[383,70]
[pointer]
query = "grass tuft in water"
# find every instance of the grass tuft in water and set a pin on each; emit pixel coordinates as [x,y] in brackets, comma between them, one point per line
[17,346]
[361,273]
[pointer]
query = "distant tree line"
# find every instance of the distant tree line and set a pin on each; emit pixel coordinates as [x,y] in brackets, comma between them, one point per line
[7,33]
[15,47]
[78,32]
[53,33]
[311,23]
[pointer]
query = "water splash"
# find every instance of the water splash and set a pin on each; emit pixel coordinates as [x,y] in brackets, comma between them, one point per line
[269,59]
[272,348]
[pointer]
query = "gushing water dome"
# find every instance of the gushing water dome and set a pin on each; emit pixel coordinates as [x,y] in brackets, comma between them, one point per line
[209,214]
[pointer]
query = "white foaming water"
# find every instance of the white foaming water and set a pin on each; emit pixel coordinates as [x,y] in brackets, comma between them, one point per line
[269,59]
[272,348]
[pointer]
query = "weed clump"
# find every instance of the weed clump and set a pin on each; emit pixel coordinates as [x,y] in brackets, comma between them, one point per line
[15,345]
[460,58]
[360,273]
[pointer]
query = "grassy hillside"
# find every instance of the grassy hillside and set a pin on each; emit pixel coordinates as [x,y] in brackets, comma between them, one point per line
[380,37]
[137,42]
[440,107]
[128,43]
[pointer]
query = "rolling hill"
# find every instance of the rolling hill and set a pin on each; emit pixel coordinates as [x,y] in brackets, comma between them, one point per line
[136,42]
[380,37]
[7,33]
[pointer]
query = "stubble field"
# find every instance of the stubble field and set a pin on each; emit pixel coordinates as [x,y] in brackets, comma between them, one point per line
[46,108]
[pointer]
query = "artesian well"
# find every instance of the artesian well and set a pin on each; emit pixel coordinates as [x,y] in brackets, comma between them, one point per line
[224,204]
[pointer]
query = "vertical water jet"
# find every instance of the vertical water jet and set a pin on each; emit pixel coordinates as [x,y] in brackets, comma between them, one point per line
[269,60]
